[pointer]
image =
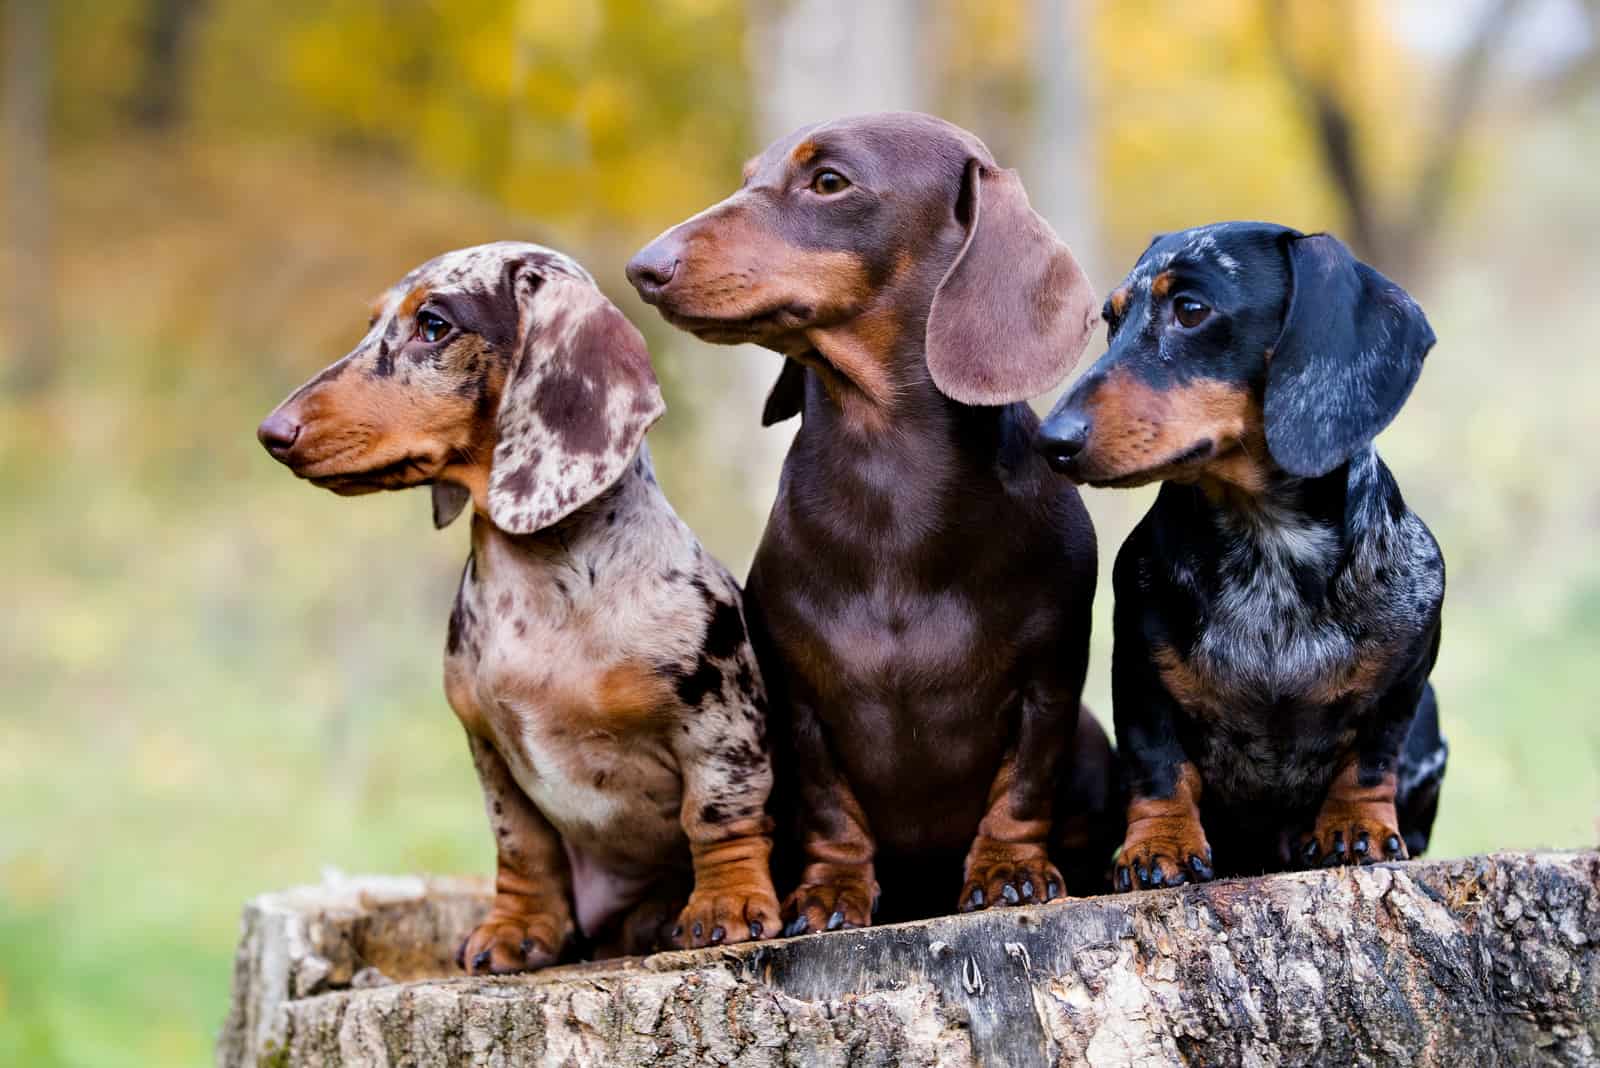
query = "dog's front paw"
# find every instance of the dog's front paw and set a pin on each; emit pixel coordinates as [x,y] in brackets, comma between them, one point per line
[1353,834]
[831,897]
[504,943]
[718,915]
[1163,852]
[1007,873]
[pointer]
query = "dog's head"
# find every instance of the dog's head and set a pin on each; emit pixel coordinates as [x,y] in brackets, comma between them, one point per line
[855,240]
[1236,351]
[499,374]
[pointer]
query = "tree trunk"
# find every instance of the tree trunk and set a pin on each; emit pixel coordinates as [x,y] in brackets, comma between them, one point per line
[158,100]
[1482,961]
[30,307]
[1061,179]
[812,60]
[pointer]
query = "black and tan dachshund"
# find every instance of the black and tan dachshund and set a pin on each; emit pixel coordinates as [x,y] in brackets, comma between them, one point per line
[920,599]
[1277,610]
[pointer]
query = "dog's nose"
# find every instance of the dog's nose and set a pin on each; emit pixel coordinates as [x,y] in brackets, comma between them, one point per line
[652,269]
[1061,438]
[277,434]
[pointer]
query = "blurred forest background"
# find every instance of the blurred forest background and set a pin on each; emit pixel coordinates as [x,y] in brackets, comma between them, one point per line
[219,681]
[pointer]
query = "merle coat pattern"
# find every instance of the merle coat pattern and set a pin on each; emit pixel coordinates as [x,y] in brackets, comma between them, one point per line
[596,654]
[1277,610]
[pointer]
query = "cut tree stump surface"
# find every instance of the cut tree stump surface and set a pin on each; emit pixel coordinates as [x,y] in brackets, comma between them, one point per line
[1484,961]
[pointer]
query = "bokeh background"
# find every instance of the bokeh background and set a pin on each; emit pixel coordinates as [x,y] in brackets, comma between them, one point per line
[215,680]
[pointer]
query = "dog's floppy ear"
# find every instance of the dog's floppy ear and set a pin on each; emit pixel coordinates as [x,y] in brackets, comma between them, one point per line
[1351,349]
[577,401]
[787,397]
[1014,312]
[449,498]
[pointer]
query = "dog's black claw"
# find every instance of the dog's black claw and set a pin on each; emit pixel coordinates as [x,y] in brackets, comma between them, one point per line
[698,931]
[1124,881]
[677,932]
[1027,889]
[1158,877]
[756,929]
[718,934]
[1052,890]
[526,947]
[1009,892]
[1362,845]
[1308,852]
[797,926]
[1201,868]
[1144,877]
[836,921]
[1392,844]
[976,900]
[480,960]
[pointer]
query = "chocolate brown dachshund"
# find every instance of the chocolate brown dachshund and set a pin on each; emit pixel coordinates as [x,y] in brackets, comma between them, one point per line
[920,601]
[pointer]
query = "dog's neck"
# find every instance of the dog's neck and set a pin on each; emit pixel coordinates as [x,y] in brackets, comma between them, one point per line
[1276,503]
[580,531]
[908,453]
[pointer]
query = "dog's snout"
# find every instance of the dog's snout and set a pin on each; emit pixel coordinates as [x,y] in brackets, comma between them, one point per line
[277,434]
[1061,438]
[653,268]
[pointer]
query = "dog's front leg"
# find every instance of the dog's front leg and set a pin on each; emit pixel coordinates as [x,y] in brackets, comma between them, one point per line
[530,923]
[727,778]
[1166,843]
[1358,822]
[1009,860]
[839,886]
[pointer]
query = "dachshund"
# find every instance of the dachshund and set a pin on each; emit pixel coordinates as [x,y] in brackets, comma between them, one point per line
[597,656]
[920,598]
[1277,609]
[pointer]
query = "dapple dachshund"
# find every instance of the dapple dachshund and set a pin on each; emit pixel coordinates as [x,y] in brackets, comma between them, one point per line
[1277,610]
[597,655]
[921,596]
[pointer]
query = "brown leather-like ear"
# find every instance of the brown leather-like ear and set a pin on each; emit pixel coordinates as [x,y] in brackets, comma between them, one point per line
[1014,312]
[574,409]
[787,397]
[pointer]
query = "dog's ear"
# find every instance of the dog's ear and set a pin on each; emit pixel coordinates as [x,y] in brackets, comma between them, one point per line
[577,401]
[787,397]
[449,498]
[1351,349]
[1014,312]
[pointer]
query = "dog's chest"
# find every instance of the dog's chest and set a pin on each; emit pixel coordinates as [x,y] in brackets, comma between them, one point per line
[557,669]
[1263,641]
[1298,639]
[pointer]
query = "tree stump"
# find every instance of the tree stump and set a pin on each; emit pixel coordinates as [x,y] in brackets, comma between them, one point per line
[1485,961]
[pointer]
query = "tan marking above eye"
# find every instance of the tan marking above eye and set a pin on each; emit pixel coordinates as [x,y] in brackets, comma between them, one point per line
[413,301]
[1161,285]
[804,152]
[1119,300]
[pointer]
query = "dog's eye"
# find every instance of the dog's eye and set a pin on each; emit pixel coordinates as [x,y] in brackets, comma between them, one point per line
[1190,312]
[829,182]
[431,327]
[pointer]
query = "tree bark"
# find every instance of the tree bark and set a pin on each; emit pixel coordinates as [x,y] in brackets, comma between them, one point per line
[1482,961]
